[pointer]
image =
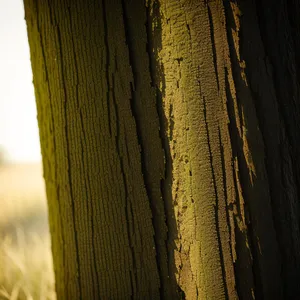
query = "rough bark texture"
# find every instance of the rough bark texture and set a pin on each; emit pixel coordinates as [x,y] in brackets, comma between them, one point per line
[169,133]
[102,153]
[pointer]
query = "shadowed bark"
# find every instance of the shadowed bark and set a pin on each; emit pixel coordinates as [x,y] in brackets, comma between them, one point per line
[169,133]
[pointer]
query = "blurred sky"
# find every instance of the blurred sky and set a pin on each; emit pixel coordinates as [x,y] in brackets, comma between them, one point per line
[18,123]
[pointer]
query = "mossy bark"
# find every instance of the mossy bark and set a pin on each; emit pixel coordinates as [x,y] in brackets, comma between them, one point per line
[169,133]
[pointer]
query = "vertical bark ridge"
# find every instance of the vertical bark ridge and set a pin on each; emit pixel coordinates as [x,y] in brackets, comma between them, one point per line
[241,247]
[222,142]
[137,113]
[217,221]
[190,55]
[144,102]
[153,31]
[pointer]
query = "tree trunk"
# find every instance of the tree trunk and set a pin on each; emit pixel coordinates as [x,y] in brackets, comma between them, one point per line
[169,134]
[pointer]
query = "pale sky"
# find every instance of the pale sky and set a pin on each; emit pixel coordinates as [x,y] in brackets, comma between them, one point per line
[18,122]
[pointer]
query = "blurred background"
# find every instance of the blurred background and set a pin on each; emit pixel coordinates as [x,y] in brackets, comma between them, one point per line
[25,257]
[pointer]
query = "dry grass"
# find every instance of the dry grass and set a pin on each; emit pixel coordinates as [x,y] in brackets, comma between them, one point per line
[25,257]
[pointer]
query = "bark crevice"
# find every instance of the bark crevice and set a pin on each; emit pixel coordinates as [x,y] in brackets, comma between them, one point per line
[216,205]
[68,149]
[136,85]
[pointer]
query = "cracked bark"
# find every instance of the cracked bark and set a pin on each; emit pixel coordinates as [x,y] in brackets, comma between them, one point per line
[169,146]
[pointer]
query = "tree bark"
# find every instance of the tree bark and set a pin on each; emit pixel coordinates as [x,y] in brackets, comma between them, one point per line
[169,133]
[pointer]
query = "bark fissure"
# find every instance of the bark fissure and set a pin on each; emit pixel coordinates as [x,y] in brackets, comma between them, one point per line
[66,118]
[128,205]
[216,204]
[107,64]
[251,236]
[153,46]
[134,86]
[242,255]
[169,138]
[143,168]
[130,232]
[244,249]
[243,263]
[225,191]
[213,46]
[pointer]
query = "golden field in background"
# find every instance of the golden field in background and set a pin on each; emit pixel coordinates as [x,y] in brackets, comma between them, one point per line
[25,257]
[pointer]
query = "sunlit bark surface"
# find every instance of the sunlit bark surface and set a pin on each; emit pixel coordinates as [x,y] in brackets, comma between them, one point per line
[169,133]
